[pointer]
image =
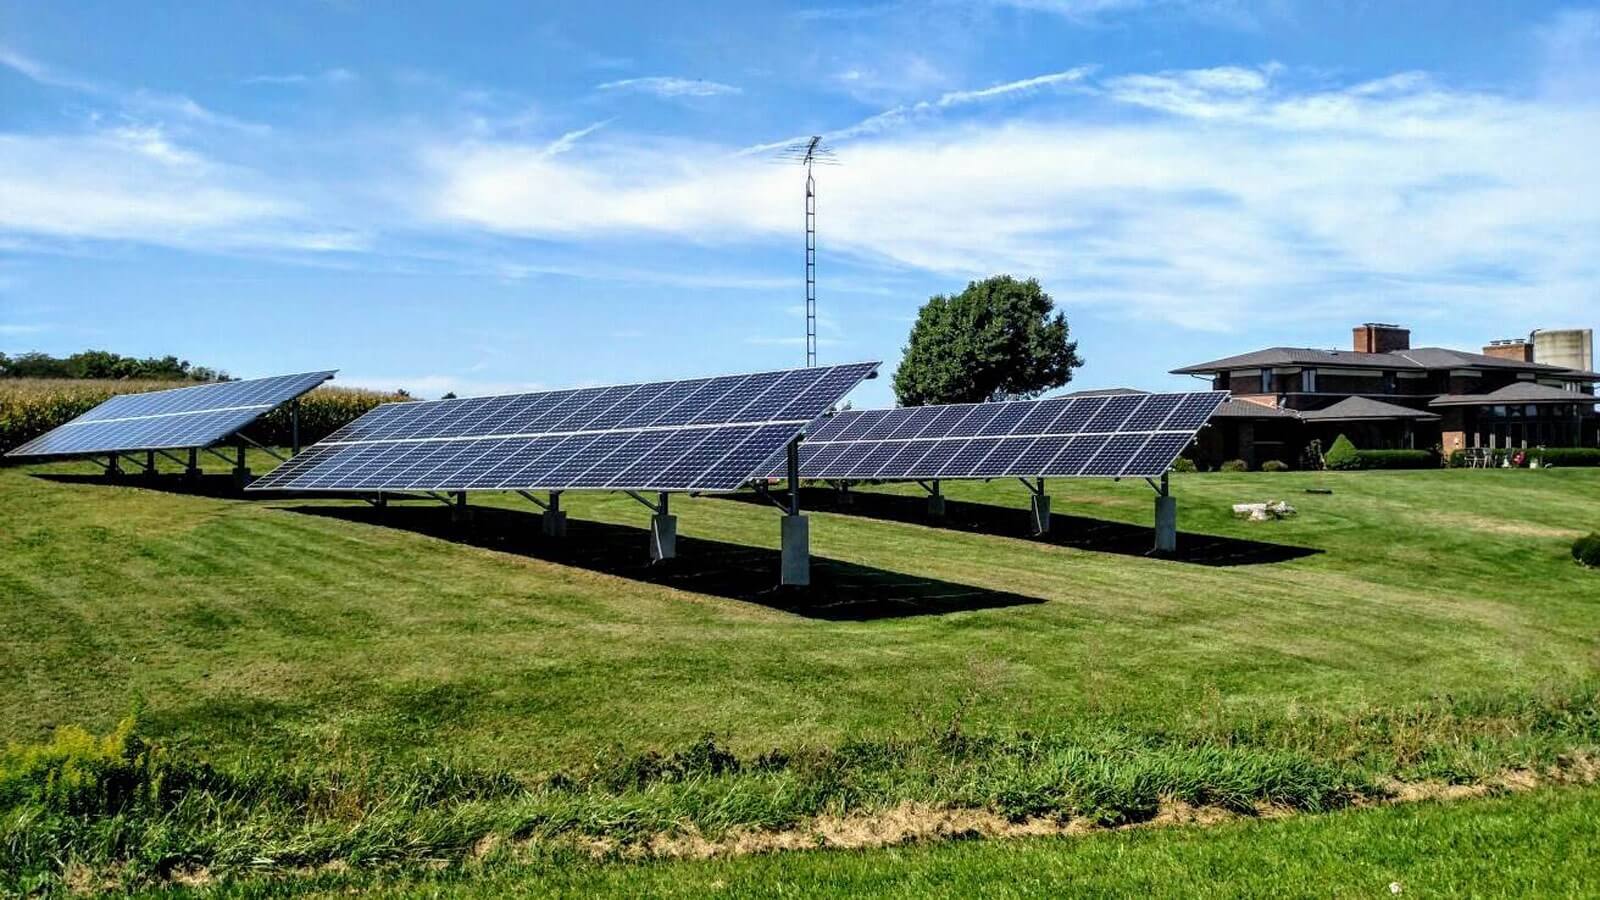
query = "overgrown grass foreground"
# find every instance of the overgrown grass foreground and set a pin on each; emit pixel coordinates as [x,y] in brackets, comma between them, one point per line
[120,811]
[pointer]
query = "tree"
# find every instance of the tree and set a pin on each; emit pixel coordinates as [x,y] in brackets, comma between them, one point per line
[1342,455]
[1000,339]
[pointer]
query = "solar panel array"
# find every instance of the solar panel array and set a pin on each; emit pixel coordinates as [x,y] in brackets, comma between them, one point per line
[705,434]
[1115,436]
[196,416]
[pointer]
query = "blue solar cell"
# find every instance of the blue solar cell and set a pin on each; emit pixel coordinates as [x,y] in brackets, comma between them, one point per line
[973,422]
[828,428]
[604,470]
[1006,420]
[650,465]
[1042,415]
[734,469]
[1151,413]
[836,381]
[967,458]
[1157,456]
[860,422]
[1194,411]
[1003,459]
[1077,454]
[910,422]
[938,456]
[1113,414]
[906,459]
[1114,456]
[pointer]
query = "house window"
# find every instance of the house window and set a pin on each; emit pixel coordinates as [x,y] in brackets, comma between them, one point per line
[1308,381]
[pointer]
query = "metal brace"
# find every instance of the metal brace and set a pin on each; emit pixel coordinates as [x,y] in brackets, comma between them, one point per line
[659,508]
[263,448]
[1035,488]
[932,487]
[442,498]
[555,500]
[1161,489]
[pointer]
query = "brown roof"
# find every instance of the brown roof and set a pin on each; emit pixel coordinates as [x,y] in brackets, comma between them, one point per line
[1419,359]
[1365,409]
[1244,409]
[1521,392]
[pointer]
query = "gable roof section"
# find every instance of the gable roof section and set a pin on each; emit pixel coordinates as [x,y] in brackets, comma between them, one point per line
[1365,409]
[1418,359]
[1521,392]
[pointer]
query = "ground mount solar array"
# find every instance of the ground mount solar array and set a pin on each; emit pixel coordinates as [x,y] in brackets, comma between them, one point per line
[1116,436]
[704,435]
[182,418]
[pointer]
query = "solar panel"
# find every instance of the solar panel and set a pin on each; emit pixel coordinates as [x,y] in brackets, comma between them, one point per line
[196,416]
[1108,437]
[706,434]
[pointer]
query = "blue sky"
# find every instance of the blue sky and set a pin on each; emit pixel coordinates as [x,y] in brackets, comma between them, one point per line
[483,197]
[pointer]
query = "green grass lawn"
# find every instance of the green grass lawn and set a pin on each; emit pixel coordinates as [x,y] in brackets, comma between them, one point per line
[1408,617]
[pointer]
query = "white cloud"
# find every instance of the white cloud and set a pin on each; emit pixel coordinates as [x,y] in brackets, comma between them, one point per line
[1234,195]
[669,86]
[298,79]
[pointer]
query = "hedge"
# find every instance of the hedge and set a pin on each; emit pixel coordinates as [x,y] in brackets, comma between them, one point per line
[1586,550]
[1396,459]
[1547,456]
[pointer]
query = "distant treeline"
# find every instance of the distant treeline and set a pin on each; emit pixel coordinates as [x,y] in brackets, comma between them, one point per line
[103,364]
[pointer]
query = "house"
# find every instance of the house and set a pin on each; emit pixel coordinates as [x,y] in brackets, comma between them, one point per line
[1384,394]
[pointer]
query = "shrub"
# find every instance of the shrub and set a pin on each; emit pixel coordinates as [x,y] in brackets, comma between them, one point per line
[1235,465]
[1586,550]
[1342,455]
[1274,465]
[1182,464]
[1396,459]
[1566,456]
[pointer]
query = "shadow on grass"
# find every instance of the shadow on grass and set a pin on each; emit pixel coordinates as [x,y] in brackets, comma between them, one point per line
[1077,532]
[839,591]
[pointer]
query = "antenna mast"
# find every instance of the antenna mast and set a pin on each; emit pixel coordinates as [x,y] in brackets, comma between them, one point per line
[808,153]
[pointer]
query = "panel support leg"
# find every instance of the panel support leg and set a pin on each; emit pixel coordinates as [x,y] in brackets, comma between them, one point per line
[294,427]
[460,512]
[191,471]
[1039,512]
[1166,519]
[795,531]
[150,464]
[113,467]
[663,531]
[935,498]
[241,470]
[844,497]
[554,519]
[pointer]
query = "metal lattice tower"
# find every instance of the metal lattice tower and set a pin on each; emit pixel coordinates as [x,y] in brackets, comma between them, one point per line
[810,153]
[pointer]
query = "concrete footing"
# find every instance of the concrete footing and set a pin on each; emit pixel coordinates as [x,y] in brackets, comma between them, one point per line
[936,506]
[1039,515]
[554,523]
[460,512]
[796,551]
[242,477]
[1166,524]
[663,537]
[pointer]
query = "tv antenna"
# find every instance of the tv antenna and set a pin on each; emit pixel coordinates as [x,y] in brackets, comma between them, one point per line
[808,153]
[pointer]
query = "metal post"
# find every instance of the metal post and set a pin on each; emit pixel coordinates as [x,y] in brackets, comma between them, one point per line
[554,520]
[935,500]
[1166,519]
[241,471]
[1039,514]
[663,531]
[795,530]
[113,467]
[150,464]
[192,470]
[294,427]
[459,511]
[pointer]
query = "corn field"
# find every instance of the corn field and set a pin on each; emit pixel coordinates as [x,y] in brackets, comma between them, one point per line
[31,406]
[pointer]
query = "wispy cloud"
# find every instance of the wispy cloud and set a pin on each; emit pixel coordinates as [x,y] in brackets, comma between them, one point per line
[670,86]
[1235,190]
[567,141]
[298,79]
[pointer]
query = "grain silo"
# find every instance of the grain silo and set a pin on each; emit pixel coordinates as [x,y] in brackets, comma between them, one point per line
[1572,348]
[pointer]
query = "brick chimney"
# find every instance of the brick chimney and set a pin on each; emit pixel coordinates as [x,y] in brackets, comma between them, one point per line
[1511,348]
[1376,337]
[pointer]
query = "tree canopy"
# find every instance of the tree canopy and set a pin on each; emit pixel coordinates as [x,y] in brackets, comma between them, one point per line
[104,364]
[1000,339]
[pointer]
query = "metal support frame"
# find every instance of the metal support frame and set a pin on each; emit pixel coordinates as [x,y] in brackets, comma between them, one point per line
[1166,516]
[935,497]
[663,526]
[294,427]
[795,532]
[263,447]
[173,458]
[113,466]
[459,511]
[192,469]
[1039,511]
[842,494]
[552,519]
[442,498]
[380,500]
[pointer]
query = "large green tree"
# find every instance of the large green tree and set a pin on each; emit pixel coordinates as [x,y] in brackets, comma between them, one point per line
[1000,339]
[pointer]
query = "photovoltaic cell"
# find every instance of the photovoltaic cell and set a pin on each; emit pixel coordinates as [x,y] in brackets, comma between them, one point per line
[1094,436]
[196,416]
[710,434]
